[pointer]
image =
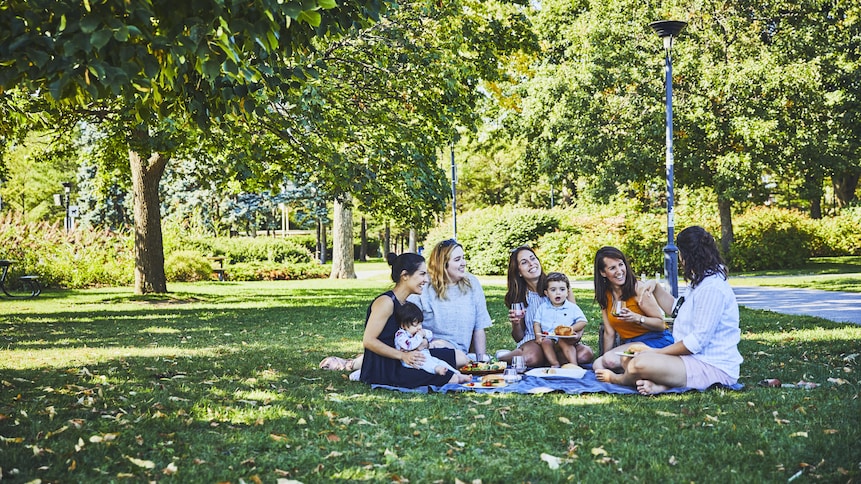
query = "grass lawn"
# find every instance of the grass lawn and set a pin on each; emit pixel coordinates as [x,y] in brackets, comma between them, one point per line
[218,382]
[825,273]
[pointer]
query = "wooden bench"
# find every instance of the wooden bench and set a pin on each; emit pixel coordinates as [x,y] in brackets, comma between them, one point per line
[27,286]
[218,269]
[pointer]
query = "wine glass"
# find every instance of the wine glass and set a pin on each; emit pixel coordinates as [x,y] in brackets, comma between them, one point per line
[519,364]
[617,308]
[518,310]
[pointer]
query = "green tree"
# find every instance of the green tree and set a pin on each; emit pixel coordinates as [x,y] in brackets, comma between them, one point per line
[161,69]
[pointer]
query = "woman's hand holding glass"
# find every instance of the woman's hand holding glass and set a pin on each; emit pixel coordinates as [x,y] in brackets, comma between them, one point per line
[516,313]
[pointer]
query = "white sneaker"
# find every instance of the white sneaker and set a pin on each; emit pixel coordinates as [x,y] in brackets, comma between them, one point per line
[354,376]
[501,353]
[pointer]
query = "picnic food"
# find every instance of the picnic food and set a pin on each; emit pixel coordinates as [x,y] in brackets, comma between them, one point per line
[479,367]
[563,330]
[636,348]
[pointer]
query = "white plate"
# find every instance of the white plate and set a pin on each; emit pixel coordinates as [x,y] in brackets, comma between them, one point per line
[557,372]
[479,385]
[560,336]
[622,353]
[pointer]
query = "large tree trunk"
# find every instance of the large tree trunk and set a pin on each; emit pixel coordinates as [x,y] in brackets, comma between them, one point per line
[363,249]
[816,208]
[149,248]
[414,242]
[844,187]
[387,241]
[342,240]
[726,233]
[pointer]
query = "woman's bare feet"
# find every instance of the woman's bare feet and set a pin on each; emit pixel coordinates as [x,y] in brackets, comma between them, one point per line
[607,376]
[648,387]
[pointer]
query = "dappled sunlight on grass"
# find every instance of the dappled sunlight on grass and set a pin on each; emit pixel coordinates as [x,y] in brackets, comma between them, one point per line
[62,358]
[160,330]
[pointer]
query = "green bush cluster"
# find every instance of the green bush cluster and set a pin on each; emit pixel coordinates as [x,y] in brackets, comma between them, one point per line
[839,235]
[488,235]
[258,271]
[187,266]
[243,249]
[89,258]
[566,240]
[78,259]
[767,238]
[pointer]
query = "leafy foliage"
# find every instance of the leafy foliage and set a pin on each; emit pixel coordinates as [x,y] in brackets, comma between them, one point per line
[771,239]
[187,266]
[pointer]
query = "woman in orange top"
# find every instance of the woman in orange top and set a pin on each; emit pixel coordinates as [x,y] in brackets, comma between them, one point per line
[625,310]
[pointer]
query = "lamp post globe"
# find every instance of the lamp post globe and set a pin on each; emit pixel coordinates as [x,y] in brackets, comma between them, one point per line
[667,30]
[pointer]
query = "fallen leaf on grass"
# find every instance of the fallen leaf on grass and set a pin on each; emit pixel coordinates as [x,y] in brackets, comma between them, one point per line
[170,470]
[666,414]
[838,381]
[830,431]
[596,451]
[565,420]
[673,460]
[333,438]
[58,431]
[798,434]
[95,439]
[551,460]
[146,464]
[76,422]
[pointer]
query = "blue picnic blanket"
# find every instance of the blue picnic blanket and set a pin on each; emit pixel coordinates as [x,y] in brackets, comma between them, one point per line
[533,384]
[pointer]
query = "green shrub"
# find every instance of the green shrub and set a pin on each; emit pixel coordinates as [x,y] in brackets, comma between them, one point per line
[249,249]
[770,238]
[641,236]
[839,235]
[82,258]
[260,271]
[187,266]
[488,235]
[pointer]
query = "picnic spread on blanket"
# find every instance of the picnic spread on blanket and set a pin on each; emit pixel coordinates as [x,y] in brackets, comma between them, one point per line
[539,380]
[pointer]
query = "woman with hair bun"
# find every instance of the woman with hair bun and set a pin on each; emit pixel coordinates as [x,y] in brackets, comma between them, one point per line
[706,328]
[382,362]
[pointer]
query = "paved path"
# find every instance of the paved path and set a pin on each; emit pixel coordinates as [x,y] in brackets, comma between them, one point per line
[833,305]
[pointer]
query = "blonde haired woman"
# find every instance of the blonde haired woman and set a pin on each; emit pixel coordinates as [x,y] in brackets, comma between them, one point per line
[454,306]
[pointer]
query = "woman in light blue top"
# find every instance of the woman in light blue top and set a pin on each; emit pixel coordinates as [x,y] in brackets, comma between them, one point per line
[706,328]
[453,305]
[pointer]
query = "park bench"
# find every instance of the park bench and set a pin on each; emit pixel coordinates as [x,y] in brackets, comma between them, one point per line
[23,286]
[218,267]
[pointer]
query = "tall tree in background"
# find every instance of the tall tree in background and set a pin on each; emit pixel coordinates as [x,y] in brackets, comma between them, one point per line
[161,69]
[390,96]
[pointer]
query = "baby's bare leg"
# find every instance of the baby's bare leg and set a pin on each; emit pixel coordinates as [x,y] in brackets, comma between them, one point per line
[549,348]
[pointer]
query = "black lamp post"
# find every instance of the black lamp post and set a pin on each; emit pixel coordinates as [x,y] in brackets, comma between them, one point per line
[67,189]
[667,30]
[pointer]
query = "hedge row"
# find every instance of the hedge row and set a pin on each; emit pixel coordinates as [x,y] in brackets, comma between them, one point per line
[566,240]
[88,258]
